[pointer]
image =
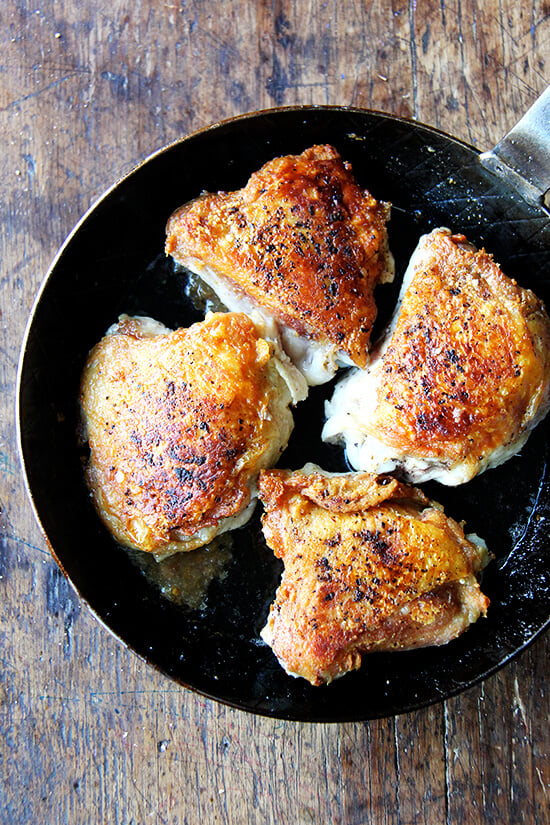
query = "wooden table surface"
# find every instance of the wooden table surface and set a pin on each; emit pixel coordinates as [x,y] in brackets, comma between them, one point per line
[88,733]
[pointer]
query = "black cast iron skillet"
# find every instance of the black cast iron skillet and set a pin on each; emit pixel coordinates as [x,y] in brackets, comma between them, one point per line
[113,262]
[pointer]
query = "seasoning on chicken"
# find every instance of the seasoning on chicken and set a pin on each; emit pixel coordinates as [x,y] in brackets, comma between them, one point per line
[302,245]
[179,425]
[459,379]
[369,565]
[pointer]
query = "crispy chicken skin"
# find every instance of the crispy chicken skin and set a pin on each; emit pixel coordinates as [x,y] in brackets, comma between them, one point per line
[303,244]
[460,378]
[179,425]
[369,565]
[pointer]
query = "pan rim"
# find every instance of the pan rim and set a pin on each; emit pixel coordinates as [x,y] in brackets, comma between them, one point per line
[19,413]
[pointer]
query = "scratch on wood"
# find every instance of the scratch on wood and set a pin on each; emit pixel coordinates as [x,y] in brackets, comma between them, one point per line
[54,84]
[98,697]
[541,780]
[397,772]
[520,705]
[149,804]
[412,47]
[446,748]
[482,765]
[62,699]
[507,69]
[18,540]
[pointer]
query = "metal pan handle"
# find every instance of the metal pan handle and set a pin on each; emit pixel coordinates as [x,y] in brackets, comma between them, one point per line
[522,157]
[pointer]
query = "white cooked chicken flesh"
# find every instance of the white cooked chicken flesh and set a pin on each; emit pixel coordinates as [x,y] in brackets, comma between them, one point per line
[459,379]
[179,424]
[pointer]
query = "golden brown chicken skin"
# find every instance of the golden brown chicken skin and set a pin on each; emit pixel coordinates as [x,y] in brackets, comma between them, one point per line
[369,565]
[461,377]
[302,241]
[179,425]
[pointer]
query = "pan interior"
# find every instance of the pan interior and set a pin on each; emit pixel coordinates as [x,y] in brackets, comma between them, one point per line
[114,263]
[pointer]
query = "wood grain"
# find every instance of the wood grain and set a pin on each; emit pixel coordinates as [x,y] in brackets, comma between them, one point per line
[88,732]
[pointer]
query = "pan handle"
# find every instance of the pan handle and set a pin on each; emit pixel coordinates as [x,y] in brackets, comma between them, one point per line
[522,157]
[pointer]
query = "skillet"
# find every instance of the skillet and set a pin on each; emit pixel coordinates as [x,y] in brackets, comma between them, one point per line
[113,262]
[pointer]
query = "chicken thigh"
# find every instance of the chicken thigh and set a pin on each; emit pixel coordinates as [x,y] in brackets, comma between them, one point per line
[369,565]
[301,248]
[179,425]
[459,379]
